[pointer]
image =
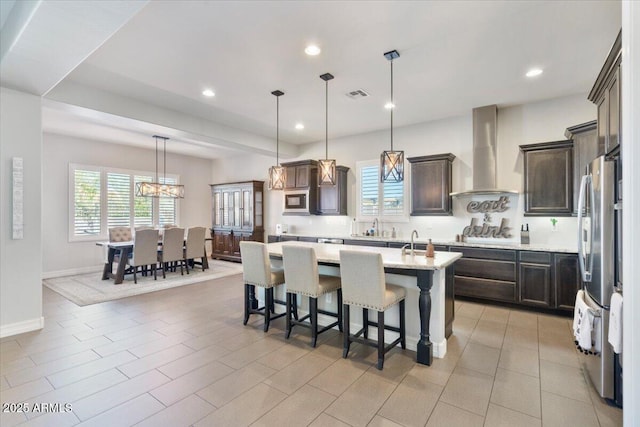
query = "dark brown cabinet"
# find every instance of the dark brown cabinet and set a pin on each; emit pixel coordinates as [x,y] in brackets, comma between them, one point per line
[606,95]
[548,178]
[585,149]
[300,174]
[566,280]
[431,184]
[332,200]
[535,279]
[237,214]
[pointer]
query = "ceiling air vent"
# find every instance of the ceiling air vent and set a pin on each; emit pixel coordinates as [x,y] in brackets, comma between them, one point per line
[357,94]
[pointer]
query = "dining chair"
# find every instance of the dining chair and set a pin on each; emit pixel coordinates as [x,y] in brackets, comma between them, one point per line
[172,249]
[363,285]
[194,247]
[257,271]
[118,234]
[302,278]
[145,252]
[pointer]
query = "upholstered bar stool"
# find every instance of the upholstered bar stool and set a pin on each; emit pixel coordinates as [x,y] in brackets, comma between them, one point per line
[301,275]
[257,271]
[363,285]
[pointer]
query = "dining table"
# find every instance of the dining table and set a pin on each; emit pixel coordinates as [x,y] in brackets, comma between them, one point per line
[124,249]
[428,280]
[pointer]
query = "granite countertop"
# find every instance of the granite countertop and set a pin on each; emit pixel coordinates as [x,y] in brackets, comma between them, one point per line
[492,244]
[391,257]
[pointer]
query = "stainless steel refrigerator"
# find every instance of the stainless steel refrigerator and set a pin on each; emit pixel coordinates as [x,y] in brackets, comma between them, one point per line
[597,231]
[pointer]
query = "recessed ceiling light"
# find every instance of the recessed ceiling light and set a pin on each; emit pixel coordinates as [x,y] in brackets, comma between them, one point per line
[312,50]
[534,72]
[299,126]
[389,105]
[208,92]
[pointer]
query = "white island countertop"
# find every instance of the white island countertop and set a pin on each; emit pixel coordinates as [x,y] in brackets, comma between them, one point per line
[391,257]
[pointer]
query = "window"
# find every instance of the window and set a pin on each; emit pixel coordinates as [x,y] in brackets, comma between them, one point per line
[376,199]
[102,198]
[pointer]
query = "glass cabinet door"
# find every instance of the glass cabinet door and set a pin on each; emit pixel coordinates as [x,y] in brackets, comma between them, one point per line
[247,209]
[217,209]
[258,208]
[237,206]
[226,201]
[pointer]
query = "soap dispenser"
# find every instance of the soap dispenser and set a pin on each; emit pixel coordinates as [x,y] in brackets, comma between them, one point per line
[431,250]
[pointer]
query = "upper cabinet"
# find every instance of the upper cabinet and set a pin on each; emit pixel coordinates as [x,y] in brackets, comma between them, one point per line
[606,95]
[431,184]
[332,200]
[301,174]
[585,149]
[548,178]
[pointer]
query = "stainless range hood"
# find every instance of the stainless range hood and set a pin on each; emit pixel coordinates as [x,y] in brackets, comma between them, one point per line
[485,165]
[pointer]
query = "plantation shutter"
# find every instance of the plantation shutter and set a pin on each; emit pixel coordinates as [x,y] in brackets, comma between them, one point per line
[86,218]
[118,200]
[369,189]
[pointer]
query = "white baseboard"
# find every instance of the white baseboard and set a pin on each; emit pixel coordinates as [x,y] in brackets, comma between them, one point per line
[21,327]
[72,271]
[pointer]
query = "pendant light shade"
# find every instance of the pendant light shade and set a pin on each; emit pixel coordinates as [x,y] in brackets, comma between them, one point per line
[157,188]
[277,172]
[326,166]
[391,161]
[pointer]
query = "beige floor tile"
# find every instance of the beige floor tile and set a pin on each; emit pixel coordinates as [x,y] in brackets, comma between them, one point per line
[154,360]
[191,382]
[10,419]
[564,380]
[498,416]
[181,414]
[517,391]
[9,344]
[10,365]
[240,358]
[57,419]
[62,378]
[523,319]
[135,331]
[560,411]
[298,373]
[397,363]
[226,389]
[438,373]
[469,390]
[448,416]
[561,354]
[109,347]
[520,359]
[299,409]
[463,325]
[339,375]
[284,356]
[26,391]
[245,409]
[154,346]
[32,373]
[379,421]
[358,405]
[325,420]
[488,333]
[331,348]
[456,344]
[68,350]
[401,406]
[608,416]
[517,337]
[4,385]
[127,414]
[122,392]
[470,309]
[480,358]
[495,314]
[192,361]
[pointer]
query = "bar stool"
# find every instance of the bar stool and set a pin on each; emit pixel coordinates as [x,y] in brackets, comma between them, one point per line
[364,285]
[257,271]
[301,273]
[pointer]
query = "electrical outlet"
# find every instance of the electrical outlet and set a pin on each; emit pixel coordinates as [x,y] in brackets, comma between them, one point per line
[328,298]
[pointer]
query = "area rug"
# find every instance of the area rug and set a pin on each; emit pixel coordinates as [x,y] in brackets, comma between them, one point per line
[89,288]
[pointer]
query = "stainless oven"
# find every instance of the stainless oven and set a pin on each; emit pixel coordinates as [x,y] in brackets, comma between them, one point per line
[297,202]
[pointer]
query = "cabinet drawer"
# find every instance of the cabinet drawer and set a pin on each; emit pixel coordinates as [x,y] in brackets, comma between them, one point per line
[485,288]
[535,257]
[493,254]
[377,243]
[485,269]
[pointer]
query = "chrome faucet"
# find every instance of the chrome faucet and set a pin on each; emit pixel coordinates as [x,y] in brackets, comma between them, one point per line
[416,234]
[375,226]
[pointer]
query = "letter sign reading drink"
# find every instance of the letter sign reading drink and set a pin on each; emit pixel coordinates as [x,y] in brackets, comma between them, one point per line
[486,230]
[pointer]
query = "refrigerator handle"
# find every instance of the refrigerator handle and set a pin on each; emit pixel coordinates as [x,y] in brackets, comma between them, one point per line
[586,275]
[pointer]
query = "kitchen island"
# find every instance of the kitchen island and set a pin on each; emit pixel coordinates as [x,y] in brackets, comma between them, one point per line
[425,280]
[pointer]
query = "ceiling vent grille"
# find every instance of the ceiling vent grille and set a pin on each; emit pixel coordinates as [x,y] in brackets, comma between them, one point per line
[357,94]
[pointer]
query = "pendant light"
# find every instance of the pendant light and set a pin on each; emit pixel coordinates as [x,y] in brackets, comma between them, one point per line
[326,166]
[156,188]
[277,172]
[392,162]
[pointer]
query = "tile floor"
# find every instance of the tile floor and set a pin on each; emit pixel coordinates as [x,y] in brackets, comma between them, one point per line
[181,357]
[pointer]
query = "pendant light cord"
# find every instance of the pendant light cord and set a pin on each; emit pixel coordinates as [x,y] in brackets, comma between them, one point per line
[277,131]
[156,138]
[326,121]
[164,167]
[393,106]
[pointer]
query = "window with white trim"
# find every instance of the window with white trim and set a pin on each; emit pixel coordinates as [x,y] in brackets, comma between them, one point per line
[386,201]
[101,198]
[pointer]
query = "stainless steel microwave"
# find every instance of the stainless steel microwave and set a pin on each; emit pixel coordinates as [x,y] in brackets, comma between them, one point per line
[297,202]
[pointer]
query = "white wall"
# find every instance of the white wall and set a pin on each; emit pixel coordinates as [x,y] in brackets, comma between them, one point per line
[517,125]
[20,260]
[59,254]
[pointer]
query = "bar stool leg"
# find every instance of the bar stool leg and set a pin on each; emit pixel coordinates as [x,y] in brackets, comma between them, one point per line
[294,298]
[268,298]
[380,340]
[346,340]
[365,322]
[247,293]
[313,311]
[403,334]
[289,303]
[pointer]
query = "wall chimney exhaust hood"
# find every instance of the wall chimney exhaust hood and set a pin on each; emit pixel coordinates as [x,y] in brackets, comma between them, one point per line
[485,165]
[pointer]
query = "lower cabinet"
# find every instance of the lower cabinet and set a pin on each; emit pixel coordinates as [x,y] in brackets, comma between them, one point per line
[566,279]
[226,244]
[535,285]
[486,273]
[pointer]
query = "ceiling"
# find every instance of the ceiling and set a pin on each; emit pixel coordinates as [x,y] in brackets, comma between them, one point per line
[454,56]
